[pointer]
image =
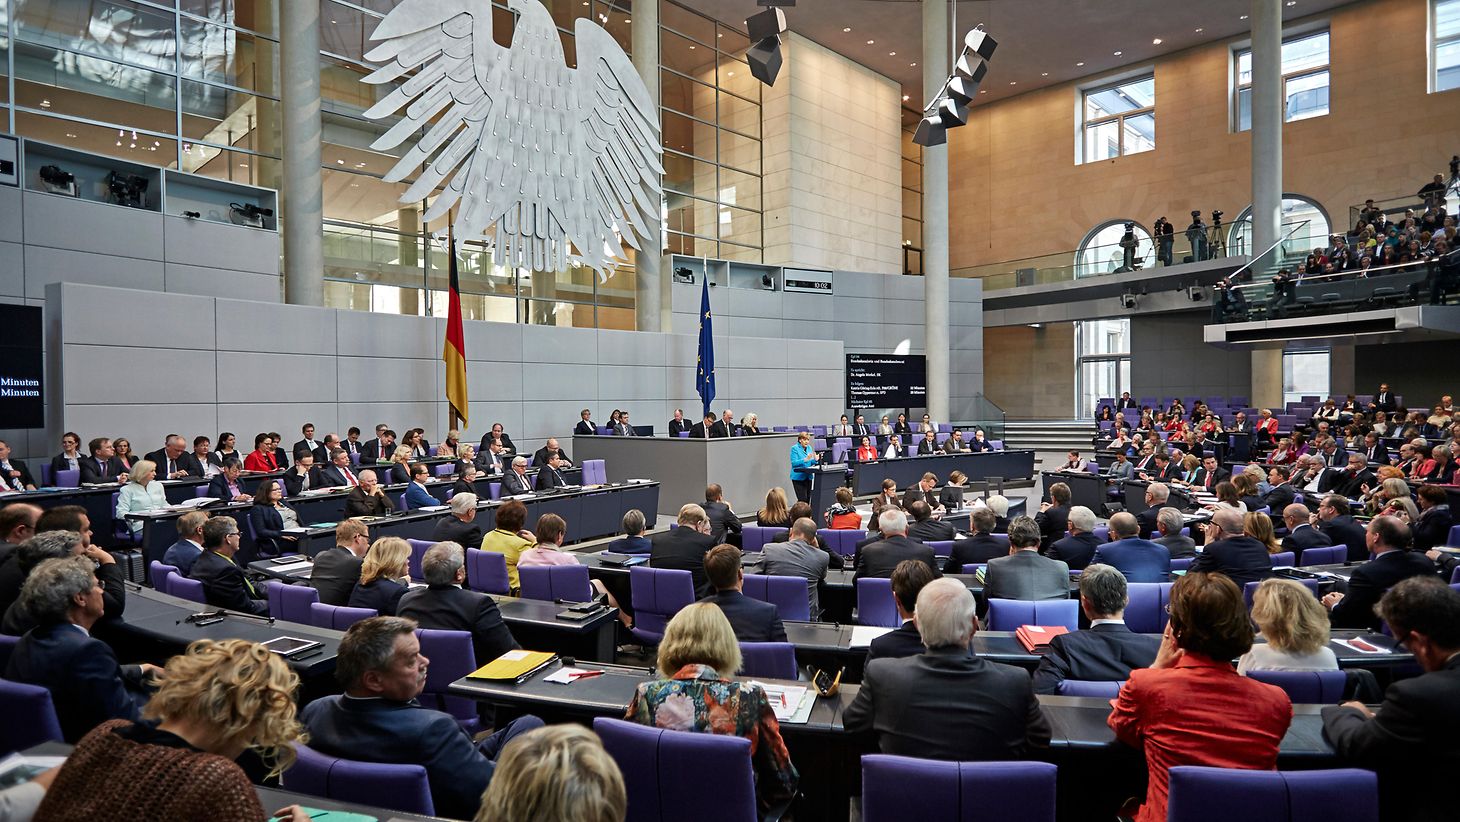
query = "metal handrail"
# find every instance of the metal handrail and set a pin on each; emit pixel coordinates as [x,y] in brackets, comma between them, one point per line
[1247,266]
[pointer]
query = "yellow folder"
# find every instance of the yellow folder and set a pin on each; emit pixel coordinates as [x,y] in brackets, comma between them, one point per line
[515,666]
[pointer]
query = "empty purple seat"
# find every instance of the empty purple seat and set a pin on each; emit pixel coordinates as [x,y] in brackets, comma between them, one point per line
[338,617]
[1102,533]
[875,605]
[555,582]
[1306,687]
[1146,611]
[70,478]
[486,571]
[595,472]
[290,602]
[394,787]
[771,660]
[30,717]
[445,469]
[658,594]
[754,537]
[900,788]
[603,430]
[1454,538]
[664,772]
[1201,794]
[452,657]
[418,552]
[1009,614]
[942,547]
[156,573]
[788,594]
[842,541]
[1325,555]
[1182,564]
[973,567]
[190,589]
[1086,687]
[1283,559]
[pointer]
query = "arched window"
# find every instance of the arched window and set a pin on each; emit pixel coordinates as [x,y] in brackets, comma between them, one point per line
[1100,252]
[1296,209]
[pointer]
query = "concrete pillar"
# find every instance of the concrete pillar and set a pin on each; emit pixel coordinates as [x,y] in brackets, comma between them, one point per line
[302,192]
[935,217]
[651,291]
[1267,378]
[1341,369]
[408,250]
[1267,127]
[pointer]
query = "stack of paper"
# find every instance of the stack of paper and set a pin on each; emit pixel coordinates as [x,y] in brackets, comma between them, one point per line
[862,635]
[790,703]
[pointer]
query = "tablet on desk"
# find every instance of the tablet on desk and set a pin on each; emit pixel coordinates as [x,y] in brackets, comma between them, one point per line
[291,646]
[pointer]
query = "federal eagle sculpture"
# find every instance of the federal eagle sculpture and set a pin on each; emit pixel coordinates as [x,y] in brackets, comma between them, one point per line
[551,156]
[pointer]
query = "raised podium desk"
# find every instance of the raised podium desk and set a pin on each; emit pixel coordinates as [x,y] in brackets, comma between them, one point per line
[744,467]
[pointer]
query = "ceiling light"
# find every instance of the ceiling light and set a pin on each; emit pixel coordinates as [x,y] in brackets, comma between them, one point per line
[627,20]
[243,165]
[1080,63]
[731,73]
[1199,31]
[846,29]
[45,104]
[906,97]
[691,48]
[891,54]
[912,65]
[1292,2]
[870,42]
[341,162]
[1243,17]
[1013,83]
[1156,42]
[1044,74]
[1118,53]
[72,136]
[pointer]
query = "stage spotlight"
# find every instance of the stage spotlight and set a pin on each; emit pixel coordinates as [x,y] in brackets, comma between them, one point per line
[56,181]
[127,189]
[764,56]
[684,275]
[1127,301]
[949,109]
[248,214]
[768,282]
[931,131]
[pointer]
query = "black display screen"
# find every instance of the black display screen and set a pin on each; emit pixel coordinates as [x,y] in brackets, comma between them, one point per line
[886,381]
[22,368]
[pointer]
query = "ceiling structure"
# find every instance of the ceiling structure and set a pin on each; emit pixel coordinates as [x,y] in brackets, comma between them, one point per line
[1041,42]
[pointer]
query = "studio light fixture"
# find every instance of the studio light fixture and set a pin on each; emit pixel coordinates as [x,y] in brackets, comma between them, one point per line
[248,214]
[765,29]
[57,181]
[949,108]
[127,189]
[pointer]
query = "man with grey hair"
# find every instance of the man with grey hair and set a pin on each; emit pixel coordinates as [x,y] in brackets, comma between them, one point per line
[684,548]
[1229,551]
[515,481]
[1157,493]
[999,504]
[377,718]
[367,499]
[878,559]
[799,557]
[1024,574]
[460,527]
[1169,524]
[1108,651]
[86,684]
[947,703]
[633,541]
[54,545]
[1139,559]
[1076,549]
[444,605]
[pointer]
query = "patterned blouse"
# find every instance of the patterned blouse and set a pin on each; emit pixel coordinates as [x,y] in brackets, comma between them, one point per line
[698,699]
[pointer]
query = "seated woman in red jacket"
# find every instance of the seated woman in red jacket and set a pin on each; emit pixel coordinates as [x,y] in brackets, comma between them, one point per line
[866,452]
[1191,707]
[262,456]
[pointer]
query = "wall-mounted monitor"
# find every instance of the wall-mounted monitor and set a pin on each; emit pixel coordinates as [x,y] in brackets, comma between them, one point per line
[887,381]
[22,368]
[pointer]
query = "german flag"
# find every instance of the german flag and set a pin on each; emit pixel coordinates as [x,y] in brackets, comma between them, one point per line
[453,350]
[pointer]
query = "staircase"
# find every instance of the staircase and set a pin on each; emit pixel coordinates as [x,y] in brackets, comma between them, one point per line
[1049,435]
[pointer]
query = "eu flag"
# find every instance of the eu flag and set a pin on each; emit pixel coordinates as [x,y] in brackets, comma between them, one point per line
[705,376]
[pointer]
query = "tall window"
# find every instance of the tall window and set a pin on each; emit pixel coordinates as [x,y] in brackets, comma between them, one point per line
[1120,119]
[912,204]
[1101,253]
[1102,350]
[1305,79]
[1446,43]
[1305,374]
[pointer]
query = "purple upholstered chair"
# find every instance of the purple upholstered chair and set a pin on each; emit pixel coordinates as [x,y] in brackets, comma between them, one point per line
[1331,555]
[452,657]
[30,717]
[1088,687]
[595,472]
[788,594]
[70,478]
[395,787]
[658,594]
[841,541]
[1283,559]
[942,547]
[180,586]
[774,660]
[1306,687]
[555,582]
[158,571]
[419,547]
[1146,611]
[290,602]
[972,567]
[1201,794]
[664,772]
[486,571]
[1182,564]
[899,788]
[1102,533]
[7,645]
[875,605]
[337,617]
[754,537]
[1009,614]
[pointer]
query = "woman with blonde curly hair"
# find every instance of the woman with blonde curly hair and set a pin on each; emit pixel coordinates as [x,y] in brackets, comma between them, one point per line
[558,773]
[1295,626]
[213,702]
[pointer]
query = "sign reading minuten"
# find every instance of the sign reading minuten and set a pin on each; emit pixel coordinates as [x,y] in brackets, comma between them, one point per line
[886,381]
[22,396]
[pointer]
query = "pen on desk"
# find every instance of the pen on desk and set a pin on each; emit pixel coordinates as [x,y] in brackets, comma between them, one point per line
[584,675]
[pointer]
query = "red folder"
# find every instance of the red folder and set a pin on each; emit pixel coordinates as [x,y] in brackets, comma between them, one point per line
[1035,638]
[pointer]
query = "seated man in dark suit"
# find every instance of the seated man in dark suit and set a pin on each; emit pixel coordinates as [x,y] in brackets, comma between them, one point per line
[679,423]
[549,476]
[460,527]
[684,548]
[751,619]
[947,703]
[224,584]
[102,466]
[881,557]
[724,524]
[1417,721]
[540,457]
[585,424]
[1280,493]
[339,473]
[14,476]
[1301,533]
[922,491]
[979,547]
[379,448]
[1387,538]
[1053,516]
[704,429]
[1208,475]
[633,541]
[308,442]
[301,476]
[908,579]
[1333,519]
[169,459]
[1024,574]
[1157,493]
[367,499]
[928,444]
[336,570]
[17,524]
[1229,551]
[1108,650]
[189,546]
[1076,549]
[444,605]
[1139,559]
[1350,481]
[516,481]
[377,718]
[1168,525]
[58,538]
[925,528]
[86,684]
